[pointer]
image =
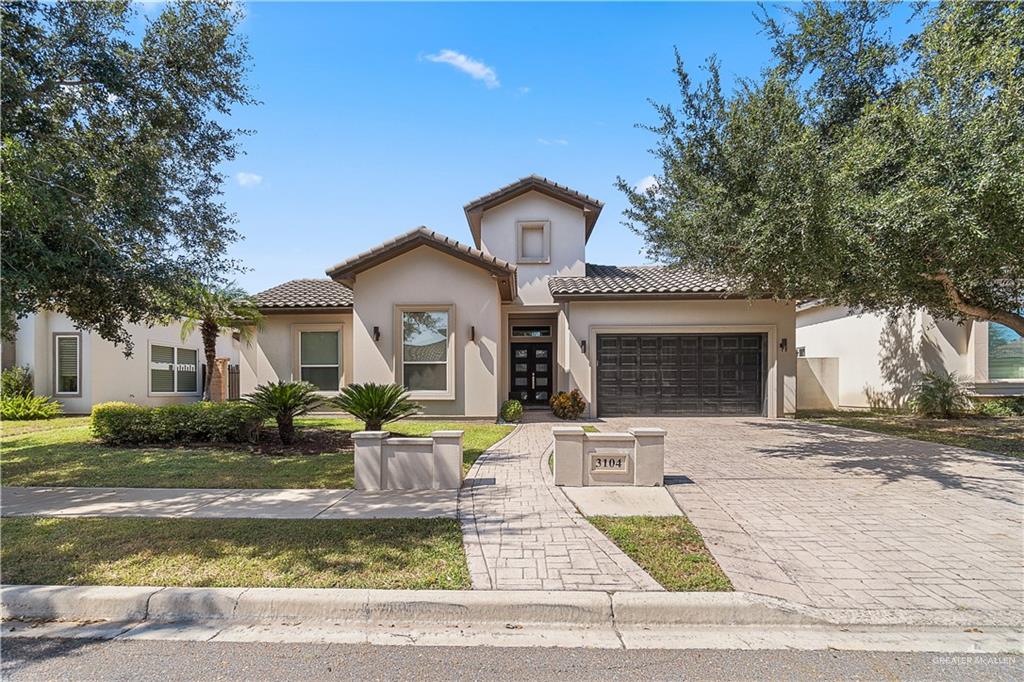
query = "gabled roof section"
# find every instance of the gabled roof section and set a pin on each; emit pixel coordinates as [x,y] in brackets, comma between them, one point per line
[638,281]
[590,206]
[504,273]
[305,294]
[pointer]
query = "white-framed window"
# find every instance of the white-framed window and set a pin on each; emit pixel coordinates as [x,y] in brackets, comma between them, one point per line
[527,331]
[67,364]
[173,370]
[533,241]
[426,341]
[320,358]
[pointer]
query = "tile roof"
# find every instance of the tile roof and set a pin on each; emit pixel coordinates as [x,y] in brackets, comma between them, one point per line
[590,206]
[505,272]
[636,280]
[306,293]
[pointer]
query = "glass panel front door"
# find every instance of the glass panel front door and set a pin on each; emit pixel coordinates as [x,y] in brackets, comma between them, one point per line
[531,378]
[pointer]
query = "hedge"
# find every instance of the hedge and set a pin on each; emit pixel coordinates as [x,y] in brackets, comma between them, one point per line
[130,424]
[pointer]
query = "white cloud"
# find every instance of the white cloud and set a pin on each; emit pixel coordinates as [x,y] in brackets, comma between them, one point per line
[650,182]
[467,65]
[557,141]
[248,179]
[524,89]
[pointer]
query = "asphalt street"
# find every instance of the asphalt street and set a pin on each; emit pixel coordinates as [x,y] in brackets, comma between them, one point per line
[108,660]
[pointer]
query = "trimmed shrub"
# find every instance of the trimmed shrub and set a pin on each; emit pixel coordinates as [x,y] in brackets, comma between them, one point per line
[1000,407]
[130,424]
[16,381]
[940,395]
[511,411]
[569,405]
[376,404]
[23,407]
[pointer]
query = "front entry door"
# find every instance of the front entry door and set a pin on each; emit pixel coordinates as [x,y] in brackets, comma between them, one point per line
[531,373]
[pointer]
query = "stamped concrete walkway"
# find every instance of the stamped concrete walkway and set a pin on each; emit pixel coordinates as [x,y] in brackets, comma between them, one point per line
[846,519]
[521,533]
[217,503]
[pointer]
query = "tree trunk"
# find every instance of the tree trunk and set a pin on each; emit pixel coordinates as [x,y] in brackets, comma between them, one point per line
[286,430]
[1010,319]
[209,331]
[374,425]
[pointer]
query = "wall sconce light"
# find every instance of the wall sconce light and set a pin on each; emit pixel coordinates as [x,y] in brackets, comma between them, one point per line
[472,333]
[583,346]
[784,344]
[376,333]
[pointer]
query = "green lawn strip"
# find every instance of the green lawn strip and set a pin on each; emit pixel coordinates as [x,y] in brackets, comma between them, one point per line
[1001,435]
[669,548]
[69,456]
[16,428]
[387,554]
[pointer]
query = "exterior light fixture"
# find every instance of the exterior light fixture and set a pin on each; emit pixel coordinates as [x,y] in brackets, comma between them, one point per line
[376,333]
[583,346]
[472,333]
[784,344]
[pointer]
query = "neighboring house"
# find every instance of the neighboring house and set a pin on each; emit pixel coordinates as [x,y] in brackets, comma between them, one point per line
[522,314]
[80,369]
[856,359]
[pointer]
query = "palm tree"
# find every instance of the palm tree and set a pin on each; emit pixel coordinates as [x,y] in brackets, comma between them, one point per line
[212,310]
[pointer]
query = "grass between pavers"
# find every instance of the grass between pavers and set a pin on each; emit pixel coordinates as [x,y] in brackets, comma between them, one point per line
[1001,435]
[669,548]
[382,554]
[62,452]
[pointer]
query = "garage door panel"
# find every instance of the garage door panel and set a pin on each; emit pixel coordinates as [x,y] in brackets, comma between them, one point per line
[680,374]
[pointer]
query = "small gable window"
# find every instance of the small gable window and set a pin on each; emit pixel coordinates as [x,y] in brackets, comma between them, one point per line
[534,241]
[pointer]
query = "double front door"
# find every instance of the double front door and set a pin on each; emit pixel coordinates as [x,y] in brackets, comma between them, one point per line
[531,375]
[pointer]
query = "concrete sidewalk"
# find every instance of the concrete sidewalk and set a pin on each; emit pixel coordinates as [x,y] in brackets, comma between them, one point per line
[222,503]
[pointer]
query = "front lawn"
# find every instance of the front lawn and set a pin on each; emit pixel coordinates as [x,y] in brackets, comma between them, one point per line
[1001,435]
[669,548]
[61,452]
[418,554]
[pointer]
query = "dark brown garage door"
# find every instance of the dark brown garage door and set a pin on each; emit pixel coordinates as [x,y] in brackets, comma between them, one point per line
[680,374]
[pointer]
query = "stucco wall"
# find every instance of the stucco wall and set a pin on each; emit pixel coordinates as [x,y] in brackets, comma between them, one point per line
[777,319]
[567,241]
[817,383]
[106,374]
[882,356]
[425,276]
[273,356]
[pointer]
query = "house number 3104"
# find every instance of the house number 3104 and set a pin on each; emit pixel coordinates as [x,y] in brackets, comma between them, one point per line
[609,462]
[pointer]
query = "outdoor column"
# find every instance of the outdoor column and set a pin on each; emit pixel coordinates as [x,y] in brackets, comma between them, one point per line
[369,456]
[447,460]
[649,456]
[568,455]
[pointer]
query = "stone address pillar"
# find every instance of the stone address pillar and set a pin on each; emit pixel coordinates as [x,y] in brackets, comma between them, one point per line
[569,455]
[649,456]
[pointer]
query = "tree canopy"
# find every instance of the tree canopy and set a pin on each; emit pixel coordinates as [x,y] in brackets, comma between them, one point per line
[854,169]
[112,141]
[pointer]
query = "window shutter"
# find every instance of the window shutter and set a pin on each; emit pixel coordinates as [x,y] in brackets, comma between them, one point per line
[188,370]
[67,364]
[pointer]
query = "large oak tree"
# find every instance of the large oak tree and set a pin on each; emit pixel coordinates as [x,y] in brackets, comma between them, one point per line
[855,169]
[112,140]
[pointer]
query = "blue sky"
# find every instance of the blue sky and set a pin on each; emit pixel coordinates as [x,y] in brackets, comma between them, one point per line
[368,127]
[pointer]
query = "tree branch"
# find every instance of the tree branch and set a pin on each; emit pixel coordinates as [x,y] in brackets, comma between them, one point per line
[956,299]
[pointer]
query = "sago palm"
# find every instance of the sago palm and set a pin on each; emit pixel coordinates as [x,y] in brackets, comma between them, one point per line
[213,310]
[376,404]
[284,401]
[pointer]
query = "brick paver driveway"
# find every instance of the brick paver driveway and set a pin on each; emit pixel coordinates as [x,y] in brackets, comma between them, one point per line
[845,519]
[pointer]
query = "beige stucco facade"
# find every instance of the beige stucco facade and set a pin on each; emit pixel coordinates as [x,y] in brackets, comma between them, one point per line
[105,373]
[274,356]
[881,357]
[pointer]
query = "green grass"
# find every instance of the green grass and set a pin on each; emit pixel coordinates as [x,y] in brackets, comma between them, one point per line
[61,452]
[669,548]
[1001,435]
[389,554]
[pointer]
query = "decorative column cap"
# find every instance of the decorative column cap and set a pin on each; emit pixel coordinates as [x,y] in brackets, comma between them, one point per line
[567,431]
[447,434]
[370,435]
[648,431]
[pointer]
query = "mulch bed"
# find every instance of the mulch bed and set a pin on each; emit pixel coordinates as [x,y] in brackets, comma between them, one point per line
[308,441]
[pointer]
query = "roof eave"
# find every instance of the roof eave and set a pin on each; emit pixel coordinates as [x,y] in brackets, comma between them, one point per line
[280,309]
[651,296]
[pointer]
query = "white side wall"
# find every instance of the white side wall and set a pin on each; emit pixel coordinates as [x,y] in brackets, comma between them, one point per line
[105,374]
[567,241]
[273,355]
[585,319]
[426,276]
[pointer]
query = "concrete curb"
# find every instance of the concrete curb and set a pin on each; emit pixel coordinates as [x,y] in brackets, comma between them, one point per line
[383,607]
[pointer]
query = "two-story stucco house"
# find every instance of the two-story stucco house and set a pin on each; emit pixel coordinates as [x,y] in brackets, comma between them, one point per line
[522,314]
